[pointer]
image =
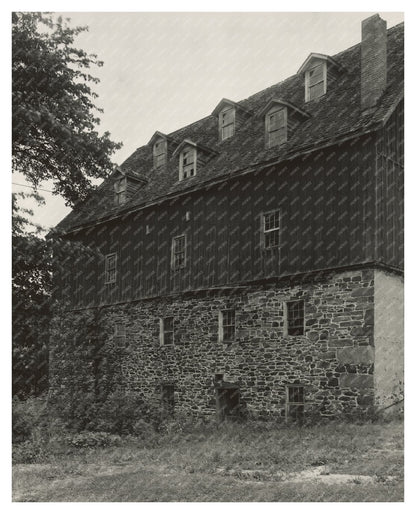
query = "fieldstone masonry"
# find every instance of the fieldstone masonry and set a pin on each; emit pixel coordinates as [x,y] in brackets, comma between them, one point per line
[333,360]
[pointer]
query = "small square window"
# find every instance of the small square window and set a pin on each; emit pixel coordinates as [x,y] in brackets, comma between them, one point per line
[110,268]
[227,325]
[166,331]
[295,403]
[178,252]
[295,318]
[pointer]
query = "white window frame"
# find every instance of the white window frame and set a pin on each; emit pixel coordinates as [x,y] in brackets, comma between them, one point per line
[265,231]
[174,252]
[157,154]
[223,126]
[107,270]
[307,80]
[120,191]
[163,332]
[221,326]
[283,128]
[181,163]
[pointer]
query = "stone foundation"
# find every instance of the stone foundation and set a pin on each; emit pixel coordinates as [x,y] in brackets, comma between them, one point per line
[333,359]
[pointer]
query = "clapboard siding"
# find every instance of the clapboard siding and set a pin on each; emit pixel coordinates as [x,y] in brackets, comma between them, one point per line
[326,203]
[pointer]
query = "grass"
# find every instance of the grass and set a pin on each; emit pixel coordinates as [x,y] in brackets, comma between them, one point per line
[228,463]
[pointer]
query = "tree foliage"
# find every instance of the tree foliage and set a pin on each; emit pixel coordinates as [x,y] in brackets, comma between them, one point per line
[54,134]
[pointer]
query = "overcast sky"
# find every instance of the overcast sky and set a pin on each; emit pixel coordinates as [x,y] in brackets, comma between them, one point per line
[165,70]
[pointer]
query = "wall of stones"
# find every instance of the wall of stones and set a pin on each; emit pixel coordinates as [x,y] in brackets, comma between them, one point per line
[334,359]
[389,338]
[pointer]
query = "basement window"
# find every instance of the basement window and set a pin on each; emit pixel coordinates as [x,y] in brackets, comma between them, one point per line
[270,229]
[295,314]
[166,331]
[167,399]
[295,403]
[226,324]
[227,123]
[110,268]
[178,252]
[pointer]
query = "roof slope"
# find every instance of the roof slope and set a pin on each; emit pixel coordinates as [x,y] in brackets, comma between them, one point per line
[336,114]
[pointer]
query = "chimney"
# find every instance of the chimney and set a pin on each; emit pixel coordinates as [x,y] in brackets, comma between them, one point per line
[373,60]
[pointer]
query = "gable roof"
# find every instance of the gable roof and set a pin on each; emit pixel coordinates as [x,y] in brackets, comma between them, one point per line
[321,57]
[246,150]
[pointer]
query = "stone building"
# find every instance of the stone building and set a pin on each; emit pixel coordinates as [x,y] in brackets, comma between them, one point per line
[251,262]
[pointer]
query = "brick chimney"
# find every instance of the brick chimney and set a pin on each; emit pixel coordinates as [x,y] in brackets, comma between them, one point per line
[373,60]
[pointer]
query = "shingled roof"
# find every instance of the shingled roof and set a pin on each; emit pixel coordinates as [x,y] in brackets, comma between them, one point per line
[334,116]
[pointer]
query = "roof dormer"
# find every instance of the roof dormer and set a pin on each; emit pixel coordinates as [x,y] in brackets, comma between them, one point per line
[230,116]
[317,68]
[280,119]
[125,184]
[162,146]
[191,157]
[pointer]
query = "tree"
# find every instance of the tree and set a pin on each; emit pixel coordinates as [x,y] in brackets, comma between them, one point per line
[54,118]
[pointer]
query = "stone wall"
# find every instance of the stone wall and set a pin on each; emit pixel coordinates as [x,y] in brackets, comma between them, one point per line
[334,359]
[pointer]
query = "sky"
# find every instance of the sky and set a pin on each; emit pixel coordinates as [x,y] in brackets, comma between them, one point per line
[165,70]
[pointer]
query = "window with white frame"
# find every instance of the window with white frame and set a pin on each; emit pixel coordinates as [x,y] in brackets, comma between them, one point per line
[276,126]
[315,81]
[227,123]
[120,188]
[295,312]
[110,268]
[187,163]
[166,331]
[178,252]
[226,322]
[270,229]
[159,153]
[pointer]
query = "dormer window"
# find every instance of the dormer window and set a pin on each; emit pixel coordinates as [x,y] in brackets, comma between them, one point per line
[187,163]
[227,123]
[315,82]
[159,153]
[120,188]
[276,126]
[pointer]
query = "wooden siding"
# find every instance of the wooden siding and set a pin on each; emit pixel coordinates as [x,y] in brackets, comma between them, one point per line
[327,219]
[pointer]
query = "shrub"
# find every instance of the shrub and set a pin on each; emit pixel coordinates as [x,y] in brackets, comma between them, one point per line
[28,416]
[29,452]
[92,440]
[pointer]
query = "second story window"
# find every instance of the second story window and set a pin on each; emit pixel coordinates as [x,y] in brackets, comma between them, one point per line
[270,229]
[276,126]
[227,325]
[110,268]
[187,163]
[227,122]
[178,252]
[159,153]
[315,82]
[295,318]
[120,188]
[166,331]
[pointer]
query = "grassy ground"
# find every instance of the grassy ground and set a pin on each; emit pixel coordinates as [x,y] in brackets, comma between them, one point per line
[336,462]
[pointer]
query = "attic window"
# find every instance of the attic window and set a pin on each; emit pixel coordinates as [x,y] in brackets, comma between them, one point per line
[276,126]
[315,81]
[159,153]
[187,163]
[227,123]
[120,187]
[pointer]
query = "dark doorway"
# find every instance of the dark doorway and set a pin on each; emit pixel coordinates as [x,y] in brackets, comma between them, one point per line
[228,402]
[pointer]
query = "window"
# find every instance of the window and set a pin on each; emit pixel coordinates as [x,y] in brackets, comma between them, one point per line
[295,318]
[120,187]
[166,331]
[110,268]
[276,127]
[227,122]
[159,153]
[227,325]
[167,399]
[315,82]
[120,334]
[295,402]
[178,252]
[187,163]
[270,228]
